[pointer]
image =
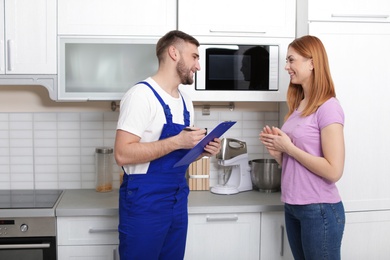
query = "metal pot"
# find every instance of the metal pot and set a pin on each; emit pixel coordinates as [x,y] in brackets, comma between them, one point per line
[265,175]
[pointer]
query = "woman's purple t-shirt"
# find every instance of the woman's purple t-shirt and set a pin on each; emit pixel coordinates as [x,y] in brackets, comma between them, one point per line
[299,185]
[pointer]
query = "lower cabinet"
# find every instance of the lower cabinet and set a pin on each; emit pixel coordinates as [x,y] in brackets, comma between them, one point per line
[249,236]
[93,237]
[223,236]
[366,235]
[273,241]
[100,252]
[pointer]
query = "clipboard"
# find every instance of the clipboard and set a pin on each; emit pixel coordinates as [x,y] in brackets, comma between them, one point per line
[198,149]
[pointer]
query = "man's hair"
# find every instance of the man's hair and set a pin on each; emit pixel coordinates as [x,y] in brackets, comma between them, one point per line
[173,38]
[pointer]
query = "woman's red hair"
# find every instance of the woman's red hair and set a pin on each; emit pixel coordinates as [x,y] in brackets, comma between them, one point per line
[322,87]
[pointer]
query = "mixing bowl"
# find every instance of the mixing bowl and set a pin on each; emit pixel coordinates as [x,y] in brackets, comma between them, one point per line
[265,175]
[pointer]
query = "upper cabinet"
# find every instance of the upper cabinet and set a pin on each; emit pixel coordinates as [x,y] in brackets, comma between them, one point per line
[45,42]
[358,58]
[349,10]
[92,68]
[28,37]
[116,18]
[246,18]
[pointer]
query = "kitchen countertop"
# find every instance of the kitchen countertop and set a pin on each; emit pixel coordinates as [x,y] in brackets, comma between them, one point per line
[88,202]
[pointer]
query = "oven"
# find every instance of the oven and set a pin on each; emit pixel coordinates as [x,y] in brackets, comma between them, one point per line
[28,224]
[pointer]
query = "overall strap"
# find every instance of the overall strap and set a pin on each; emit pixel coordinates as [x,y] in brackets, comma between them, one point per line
[186,113]
[167,110]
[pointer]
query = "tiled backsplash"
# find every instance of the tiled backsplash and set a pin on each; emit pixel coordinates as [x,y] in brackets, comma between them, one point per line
[57,150]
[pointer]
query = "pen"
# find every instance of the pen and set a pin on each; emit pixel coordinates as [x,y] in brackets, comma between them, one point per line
[190,129]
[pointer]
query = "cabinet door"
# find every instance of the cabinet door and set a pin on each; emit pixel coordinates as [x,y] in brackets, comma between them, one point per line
[30,37]
[101,230]
[2,37]
[120,17]
[260,18]
[349,10]
[223,236]
[359,62]
[366,235]
[274,241]
[98,252]
[103,69]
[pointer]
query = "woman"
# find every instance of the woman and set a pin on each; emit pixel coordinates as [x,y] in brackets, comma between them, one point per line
[310,148]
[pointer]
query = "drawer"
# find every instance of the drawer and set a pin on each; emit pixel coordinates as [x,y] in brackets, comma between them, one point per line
[100,252]
[87,230]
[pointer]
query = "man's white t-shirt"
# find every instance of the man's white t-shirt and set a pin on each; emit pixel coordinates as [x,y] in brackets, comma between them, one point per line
[141,114]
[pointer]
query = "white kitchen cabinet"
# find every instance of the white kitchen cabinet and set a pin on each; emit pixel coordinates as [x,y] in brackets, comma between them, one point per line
[273,240]
[366,236]
[28,37]
[102,68]
[93,237]
[359,62]
[349,10]
[223,236]
[100,252]
[120,17]
[262,18]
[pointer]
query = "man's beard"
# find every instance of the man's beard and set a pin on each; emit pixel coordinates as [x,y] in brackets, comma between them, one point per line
[184,73]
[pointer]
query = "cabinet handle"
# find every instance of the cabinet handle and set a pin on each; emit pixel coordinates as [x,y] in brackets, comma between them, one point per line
[102,230]
[213,219]
[365,16]
[10,44]
[115,253]
[230,31]
[281,240]
[1,56]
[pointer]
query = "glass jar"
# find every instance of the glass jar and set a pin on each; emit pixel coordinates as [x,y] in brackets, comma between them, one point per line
[104,166]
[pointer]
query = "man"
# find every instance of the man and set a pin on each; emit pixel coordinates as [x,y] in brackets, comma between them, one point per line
[153,215]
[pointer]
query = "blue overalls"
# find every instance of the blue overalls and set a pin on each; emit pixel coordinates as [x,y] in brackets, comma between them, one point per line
[153,215]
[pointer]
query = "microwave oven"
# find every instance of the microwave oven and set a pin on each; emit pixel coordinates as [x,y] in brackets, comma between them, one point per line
[238,67]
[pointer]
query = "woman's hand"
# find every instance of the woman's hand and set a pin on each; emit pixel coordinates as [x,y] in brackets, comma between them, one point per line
[276,141]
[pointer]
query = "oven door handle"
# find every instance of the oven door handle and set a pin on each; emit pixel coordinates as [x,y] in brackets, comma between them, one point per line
[24,246]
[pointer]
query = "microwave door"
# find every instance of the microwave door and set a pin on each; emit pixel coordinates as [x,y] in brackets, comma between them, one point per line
[238,68]
[203,52]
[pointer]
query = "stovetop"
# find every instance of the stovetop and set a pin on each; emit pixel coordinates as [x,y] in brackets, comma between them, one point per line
[28,199]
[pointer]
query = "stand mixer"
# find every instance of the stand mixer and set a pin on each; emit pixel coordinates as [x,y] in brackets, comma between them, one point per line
[234,155]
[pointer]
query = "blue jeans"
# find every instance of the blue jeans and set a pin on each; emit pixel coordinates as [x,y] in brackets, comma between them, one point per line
[315,231]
